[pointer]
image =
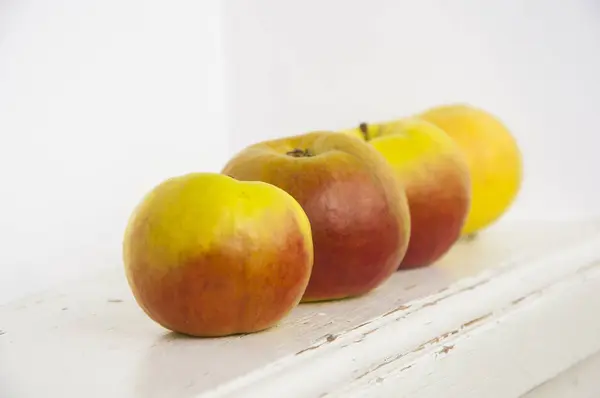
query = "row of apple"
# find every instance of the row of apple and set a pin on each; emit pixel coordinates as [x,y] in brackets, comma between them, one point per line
[316,216]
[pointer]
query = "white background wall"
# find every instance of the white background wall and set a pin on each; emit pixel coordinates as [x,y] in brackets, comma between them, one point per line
[100,100]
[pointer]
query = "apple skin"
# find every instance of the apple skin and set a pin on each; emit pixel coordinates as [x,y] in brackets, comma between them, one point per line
[206,255]
[436,177]
[357,209]
[493,155]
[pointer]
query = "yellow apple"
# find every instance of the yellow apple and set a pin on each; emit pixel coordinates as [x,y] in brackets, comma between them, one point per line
[206,255]
[435,175]
[493,155]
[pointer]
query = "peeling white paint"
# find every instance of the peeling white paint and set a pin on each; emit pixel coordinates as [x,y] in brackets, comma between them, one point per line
[495,318]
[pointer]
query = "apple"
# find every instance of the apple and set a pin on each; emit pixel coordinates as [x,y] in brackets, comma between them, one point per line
[357,209]
[493,155]
[434,172]
[206,255]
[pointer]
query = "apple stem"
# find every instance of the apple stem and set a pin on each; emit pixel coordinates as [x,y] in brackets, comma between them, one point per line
[364,129]
[300,153]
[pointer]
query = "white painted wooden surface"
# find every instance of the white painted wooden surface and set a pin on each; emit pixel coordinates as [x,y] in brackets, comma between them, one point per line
[579,381]
[496,317]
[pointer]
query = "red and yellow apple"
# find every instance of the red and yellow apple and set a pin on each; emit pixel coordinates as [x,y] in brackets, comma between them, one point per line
[435,175]
[206,255]
[357,209]
[493,155]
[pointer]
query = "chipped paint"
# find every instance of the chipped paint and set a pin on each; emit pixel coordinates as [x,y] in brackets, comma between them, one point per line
[328,338]
[385,362]
[400,308]
[407,367]
[476,320]
[436,340]
[446,349]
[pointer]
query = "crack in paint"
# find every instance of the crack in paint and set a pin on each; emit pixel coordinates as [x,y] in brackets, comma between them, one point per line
[400,308]
[476,320]
[328,339]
